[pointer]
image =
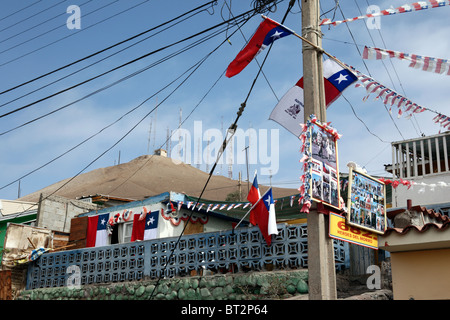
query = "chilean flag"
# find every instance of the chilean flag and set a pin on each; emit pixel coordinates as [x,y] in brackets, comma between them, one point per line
[97,234]
[289,112]
[267,32]
[264,216]
[254,194]
[145,229]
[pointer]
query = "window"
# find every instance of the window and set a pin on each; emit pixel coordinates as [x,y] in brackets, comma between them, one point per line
[127,228]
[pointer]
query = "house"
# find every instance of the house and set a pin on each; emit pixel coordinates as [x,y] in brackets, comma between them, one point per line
[170,209]
[13,211]
[425,162]
[419,247]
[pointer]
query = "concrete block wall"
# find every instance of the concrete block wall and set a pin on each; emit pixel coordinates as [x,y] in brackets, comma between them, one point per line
[56,212]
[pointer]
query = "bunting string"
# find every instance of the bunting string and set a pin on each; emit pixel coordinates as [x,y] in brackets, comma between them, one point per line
[416,6]
[409,184]
[429,64]
[391,98]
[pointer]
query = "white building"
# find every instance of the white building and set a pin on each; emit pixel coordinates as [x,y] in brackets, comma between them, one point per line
[425,162]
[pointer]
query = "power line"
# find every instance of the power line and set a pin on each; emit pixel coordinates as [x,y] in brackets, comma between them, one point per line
[106,49]
[47,32]
[196,43]
[20,10]
[102,59]
[71,34]
[118,67]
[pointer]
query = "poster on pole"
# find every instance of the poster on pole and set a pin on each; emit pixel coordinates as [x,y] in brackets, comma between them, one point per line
[366,202]
[324,173]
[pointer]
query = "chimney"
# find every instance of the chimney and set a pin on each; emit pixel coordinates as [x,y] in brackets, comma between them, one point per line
[409,204]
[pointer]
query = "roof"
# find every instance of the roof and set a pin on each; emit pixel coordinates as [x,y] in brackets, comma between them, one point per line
[431,234]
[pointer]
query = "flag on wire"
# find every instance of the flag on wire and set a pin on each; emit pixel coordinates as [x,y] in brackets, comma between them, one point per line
[97,234]
[267,32]
[416,6]
[264,216]
[289,111]
[429,64]
[145,229]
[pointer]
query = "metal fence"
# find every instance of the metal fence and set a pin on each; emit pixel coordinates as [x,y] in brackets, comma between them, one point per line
[225,251]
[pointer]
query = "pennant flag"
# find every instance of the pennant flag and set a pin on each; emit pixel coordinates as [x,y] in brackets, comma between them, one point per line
[390,97]
[215,207]
[416,6]
[209,207]
[289,111]
[267,32]
[265,217]
[97,234]
[428,64]
[145,229]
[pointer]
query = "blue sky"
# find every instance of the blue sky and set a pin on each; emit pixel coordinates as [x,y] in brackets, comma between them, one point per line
[35,41]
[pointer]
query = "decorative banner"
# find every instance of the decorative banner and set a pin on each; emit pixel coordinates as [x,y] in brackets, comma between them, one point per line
[320,165]
[341,231]
[416,6]
[366,202]
[409,184]
[429,64]
[391,98]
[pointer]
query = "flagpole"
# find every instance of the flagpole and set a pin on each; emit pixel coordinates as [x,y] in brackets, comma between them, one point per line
[317,48]
[253,206]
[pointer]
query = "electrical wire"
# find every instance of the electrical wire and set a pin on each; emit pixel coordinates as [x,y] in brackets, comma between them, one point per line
[55,28]
[196,43]
[70,35]
[105,49]
[103,59]
[119,67]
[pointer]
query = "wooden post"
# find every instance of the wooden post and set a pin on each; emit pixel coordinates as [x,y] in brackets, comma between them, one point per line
[321,265]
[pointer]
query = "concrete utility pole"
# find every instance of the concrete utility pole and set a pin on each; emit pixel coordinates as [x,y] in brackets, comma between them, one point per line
[321,266]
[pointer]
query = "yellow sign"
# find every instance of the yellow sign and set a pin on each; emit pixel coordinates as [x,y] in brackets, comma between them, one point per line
[342,231]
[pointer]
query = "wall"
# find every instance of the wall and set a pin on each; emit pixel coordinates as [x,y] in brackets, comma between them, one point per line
[422,195]
[240,286]
[421,275]
[56,212]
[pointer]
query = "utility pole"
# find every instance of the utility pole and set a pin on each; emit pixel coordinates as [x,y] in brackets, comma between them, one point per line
[321,265]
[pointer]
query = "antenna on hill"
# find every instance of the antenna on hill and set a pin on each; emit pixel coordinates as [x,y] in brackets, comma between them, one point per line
[154,130]
[149,135]
[198,154]
[168,142]
[179,136]
[207,153]
[230,160]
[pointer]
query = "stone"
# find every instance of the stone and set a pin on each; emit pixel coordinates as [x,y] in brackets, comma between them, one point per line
[302,286]
[181,294]
[204,292]
[140,291]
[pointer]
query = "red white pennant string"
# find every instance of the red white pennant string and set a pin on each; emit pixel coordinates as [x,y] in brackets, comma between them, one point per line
[429,64]
[391,98]
[416,6]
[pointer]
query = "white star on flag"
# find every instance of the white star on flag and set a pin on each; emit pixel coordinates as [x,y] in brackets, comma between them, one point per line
[341,78]
[277,35]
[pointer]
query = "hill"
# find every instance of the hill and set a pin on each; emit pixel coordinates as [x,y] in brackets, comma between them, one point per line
[146,176]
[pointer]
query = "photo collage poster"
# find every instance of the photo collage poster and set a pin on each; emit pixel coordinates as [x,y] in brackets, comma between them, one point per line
[366,202]
[324,168]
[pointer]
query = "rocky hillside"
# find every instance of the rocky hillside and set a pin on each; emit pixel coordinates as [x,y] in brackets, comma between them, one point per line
[146,176]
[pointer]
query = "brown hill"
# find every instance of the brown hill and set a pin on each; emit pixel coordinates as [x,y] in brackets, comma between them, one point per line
[148,176]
